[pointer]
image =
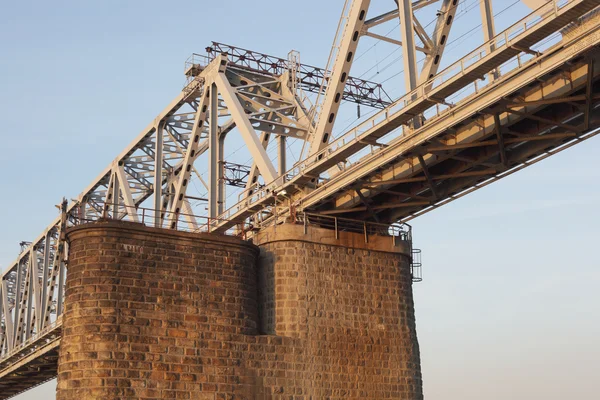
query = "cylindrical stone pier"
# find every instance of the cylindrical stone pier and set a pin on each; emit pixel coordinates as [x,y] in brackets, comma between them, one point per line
[147,311]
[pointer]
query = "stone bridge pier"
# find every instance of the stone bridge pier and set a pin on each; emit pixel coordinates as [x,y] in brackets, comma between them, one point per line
[301,313]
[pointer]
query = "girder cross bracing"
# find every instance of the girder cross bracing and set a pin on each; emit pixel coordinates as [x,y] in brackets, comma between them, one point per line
[515,100]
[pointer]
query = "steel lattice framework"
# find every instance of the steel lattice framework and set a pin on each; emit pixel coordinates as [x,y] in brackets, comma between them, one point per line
[516,99]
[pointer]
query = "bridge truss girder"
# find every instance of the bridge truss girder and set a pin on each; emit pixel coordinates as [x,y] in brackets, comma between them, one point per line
[529,125]
[387,134]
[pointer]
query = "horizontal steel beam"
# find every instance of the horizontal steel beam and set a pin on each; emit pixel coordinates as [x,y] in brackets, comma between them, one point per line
[357,90]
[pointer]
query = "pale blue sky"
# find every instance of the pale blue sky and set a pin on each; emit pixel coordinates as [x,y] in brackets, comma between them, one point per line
[510,305]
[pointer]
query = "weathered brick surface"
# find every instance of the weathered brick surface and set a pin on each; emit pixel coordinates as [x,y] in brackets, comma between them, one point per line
[170,315]
[148,313]
[349,304]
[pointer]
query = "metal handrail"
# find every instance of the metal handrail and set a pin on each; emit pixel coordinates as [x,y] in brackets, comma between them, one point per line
[185,222]
[401,231]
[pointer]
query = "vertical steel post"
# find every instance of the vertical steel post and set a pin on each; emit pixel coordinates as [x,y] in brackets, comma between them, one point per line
[221,175]
[409,51]
[59,301]
[158,165]
[46,269]
[281,146]
[213,153]
[8,321]
[18,299]
[116,195]
[33,274]
[489,31]
[61,282]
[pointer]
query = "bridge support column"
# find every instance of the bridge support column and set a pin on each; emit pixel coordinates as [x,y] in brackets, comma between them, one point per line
[349,302]
[153,313]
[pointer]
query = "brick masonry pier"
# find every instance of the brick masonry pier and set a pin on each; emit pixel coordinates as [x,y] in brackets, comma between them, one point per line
[300,314]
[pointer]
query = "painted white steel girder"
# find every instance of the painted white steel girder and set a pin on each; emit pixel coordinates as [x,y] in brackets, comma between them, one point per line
[395,166]
[409,51]
[512,53]
[342,55]
[478,149]
[440,38]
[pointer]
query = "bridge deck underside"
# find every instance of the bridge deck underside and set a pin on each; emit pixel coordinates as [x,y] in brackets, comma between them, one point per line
[30,367]
[473,153]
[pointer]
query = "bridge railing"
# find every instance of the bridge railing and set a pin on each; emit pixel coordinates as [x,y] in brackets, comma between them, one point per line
[457,70]
[398,231]
[181,221]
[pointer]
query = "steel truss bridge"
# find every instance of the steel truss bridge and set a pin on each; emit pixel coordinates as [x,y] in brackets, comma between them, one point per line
[525,94]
